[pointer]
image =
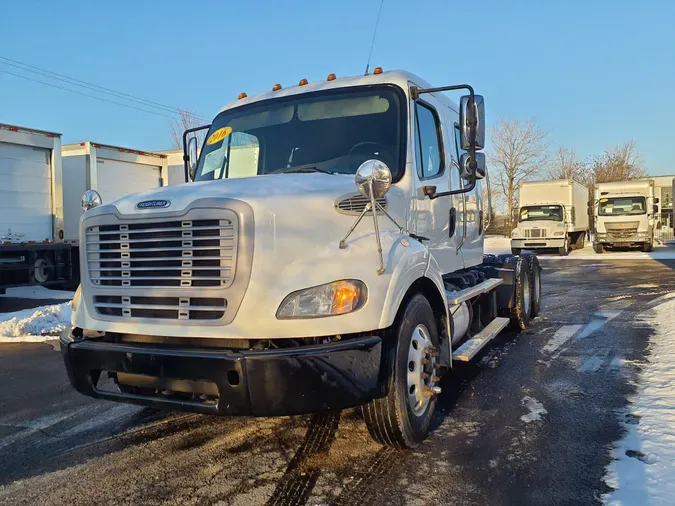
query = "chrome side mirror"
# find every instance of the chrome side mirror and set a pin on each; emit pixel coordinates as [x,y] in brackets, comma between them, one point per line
[472,133]
[90,200]
[373,175]
[192,158]
[468,169]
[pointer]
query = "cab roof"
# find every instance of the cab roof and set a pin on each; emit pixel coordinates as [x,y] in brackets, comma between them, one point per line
[400,78]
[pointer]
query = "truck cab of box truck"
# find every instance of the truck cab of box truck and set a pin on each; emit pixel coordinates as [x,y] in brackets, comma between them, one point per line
[551,215]
[328,254]
[625,215]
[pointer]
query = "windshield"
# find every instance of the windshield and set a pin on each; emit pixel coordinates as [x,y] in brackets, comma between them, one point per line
[622,206]
[333,132]
[533,213]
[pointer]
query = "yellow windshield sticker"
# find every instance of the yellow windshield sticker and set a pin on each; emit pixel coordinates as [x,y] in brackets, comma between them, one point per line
[603,200]
[219,135]
[523,212]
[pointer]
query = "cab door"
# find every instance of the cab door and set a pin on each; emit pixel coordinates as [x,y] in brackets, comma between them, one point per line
[433,146]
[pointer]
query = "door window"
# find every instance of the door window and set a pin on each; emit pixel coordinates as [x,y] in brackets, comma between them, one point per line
[428,142]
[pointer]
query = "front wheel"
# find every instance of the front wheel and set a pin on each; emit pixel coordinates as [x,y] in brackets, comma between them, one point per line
[522,297]
[647,247]
[598,248]
[515,251]
[402,418]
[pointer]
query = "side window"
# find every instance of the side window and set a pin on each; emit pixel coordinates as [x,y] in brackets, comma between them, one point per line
[428,142]
[458,143]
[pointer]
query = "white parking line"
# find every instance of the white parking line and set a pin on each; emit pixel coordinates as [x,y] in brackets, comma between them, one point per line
[563,335]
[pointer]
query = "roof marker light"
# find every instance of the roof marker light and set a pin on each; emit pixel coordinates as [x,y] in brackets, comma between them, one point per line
[276,87]
[303,82]
[242,95]
[378,70]
[331,77]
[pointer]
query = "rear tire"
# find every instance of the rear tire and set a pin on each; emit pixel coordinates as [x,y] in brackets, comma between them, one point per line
[397,419]
[581,243]
[598,248]
[515,251]
[534,271]
[522,301]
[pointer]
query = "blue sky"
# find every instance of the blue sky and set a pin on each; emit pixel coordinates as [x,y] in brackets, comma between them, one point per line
[593,73]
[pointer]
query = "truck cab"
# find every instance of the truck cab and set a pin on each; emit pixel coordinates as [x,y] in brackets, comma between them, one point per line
[328,253]
[625,215]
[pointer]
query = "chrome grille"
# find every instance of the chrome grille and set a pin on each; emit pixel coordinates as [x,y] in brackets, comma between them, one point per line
[173,253]
[536,232]
[355,204]
[172,308]
[621,233]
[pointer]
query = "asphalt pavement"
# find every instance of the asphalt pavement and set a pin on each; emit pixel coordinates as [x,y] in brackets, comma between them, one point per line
[531,422]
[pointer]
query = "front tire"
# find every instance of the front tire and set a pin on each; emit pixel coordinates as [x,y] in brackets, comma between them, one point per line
[534,272]
[598,248]
[402,418]
[647,247]
[515,251]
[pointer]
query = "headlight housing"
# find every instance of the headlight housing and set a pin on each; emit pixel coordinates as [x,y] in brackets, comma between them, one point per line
[515,233]
[331,299]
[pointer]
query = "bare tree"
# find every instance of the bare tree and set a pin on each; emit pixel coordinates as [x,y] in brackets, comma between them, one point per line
[566,165]
[620,163]
[187,119]
[519,151]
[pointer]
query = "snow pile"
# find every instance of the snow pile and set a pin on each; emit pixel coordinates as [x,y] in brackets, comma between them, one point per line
[36,324]
[643,471]
[37,292]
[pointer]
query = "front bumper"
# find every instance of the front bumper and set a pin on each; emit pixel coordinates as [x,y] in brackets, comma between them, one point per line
[536,243]
[633,240]
[288,381]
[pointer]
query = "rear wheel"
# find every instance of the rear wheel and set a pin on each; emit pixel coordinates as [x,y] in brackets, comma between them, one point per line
[534,273]
[598,248]
[522,299]
[402,418]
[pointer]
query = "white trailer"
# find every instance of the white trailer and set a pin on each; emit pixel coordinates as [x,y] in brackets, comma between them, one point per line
[112,171]
[32,250]
[625,215]
[552,215]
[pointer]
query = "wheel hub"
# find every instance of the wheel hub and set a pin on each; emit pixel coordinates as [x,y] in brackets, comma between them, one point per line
[421,370]
[41,270]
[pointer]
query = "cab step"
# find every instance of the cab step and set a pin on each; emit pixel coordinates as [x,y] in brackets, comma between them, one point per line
[470,348]
[457,297]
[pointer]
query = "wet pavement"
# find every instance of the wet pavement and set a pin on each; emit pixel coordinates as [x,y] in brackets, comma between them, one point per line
[531,422]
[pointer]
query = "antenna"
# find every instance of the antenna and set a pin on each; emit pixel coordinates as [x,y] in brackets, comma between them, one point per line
[372,44]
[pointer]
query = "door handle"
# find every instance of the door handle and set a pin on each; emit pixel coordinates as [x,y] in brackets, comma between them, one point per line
[453,222]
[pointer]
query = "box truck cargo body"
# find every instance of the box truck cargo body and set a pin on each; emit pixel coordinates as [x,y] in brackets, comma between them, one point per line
[110,170]
[552,215]
[31,209]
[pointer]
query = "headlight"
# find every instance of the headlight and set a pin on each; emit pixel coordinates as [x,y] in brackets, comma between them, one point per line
[339,297]
[559,233]
[515,233]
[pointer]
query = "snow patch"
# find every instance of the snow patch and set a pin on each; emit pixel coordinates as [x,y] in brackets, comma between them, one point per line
[643,469]
[36,324]
[37,292]
[535,408]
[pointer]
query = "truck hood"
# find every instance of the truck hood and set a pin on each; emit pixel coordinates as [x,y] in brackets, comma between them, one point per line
[285,187]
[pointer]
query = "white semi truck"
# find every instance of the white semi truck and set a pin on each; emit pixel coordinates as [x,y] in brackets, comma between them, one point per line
[32,248]
[341,266]
[625,215]
[552,215]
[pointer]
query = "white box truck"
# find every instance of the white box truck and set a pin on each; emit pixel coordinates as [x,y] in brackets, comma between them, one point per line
[111,171]
[551,215]
[625,215]
[32,250]
[340,266]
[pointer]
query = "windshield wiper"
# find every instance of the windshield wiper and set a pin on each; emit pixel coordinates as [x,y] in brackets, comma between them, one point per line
[300,169]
